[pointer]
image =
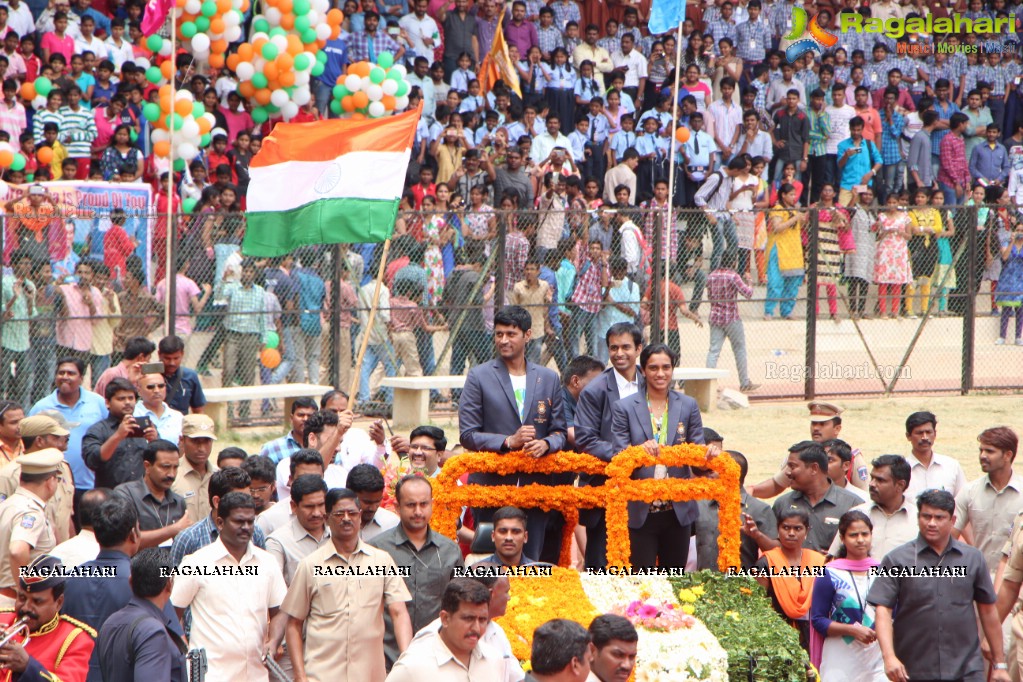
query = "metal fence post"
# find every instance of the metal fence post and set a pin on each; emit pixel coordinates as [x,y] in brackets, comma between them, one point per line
[810,358]
[335,316]
[502,235]
[657,322]
[970,310]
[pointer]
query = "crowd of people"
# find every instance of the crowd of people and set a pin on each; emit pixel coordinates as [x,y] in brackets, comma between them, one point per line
[344,576]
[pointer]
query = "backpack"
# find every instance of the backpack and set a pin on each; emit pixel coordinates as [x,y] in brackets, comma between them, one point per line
[311,292]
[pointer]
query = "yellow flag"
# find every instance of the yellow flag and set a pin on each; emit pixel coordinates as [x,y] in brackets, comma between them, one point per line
[497,65]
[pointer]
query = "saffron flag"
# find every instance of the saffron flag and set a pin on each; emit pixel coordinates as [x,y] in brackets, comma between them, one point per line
[156,14]
[666,15]
[497,65]
[327,182]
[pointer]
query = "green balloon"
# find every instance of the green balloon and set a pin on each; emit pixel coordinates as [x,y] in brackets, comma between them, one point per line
[179,165]
[202,24]
[302,61]
[209,8]
[174,121]
[317,69]
[188,204]
[205,140]
[403,88]
[338,91]
[394,75]
[302,23]
[134,135]
[259,115]
[43,86]
[19,162]
[153,74]
[335,107]
[151,111]
[154,42]
[188,29]
[198,109]
[385,60]
[321,56]
[277,31]
[272,108]
[300,7]
[261,26]
[270,52]
[308,37]
[376,75]
[259,81]
[30,177]
[271,339]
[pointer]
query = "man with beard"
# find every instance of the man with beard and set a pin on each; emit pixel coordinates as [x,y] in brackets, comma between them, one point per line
[161,511]
[931,471]
[234,590]
[614,648]
[306,531]
[892,512]
[57,646]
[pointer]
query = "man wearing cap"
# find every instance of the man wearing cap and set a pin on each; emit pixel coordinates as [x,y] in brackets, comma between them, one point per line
[196,469]
[152,393]
[25,532]
[58,647]
[41,432]
[825,425]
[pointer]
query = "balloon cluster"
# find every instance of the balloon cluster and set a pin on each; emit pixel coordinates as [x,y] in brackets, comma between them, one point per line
[37,91]
[209,27]
[186,117]
[311,21]
[274,71]
[372,90]
[11,158]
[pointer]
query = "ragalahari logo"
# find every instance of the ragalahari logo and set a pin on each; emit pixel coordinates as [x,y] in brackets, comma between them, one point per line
[818,39]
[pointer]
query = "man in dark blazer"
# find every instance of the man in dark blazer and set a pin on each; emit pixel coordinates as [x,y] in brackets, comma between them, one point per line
[510,404]
[593,423]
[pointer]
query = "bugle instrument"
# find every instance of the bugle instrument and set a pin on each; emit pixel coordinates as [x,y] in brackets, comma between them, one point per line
[13,630]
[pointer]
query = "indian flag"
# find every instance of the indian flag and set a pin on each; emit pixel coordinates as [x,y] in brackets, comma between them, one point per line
[327,182]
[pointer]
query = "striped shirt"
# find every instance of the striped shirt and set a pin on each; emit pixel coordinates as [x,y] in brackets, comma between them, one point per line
[820,130]
[77,131]
[41,118]
[891,133]
[753,37]
[549,37]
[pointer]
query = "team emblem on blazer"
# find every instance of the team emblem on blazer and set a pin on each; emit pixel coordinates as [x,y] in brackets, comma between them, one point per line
[541,411]
[681,430]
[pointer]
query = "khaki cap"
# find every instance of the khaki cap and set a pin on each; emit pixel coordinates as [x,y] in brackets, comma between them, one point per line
[823,412]
[198,426]
[45,461]
[42,425]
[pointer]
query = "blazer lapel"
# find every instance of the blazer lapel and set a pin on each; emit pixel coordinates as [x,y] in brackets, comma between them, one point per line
[676,433]
[501,370]
[642,411]
[612,386]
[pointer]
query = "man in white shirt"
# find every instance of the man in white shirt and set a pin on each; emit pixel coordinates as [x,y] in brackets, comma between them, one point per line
[840,114]
[305,461]
[167,420]
[120,50]
[544,144]
[88,42]
[19,18]
[84,546]
[930,470]
[456,651]
[891,511]
[422,30]
[727,117]
[234,611]
[340,447]
[630,62]
[366,481]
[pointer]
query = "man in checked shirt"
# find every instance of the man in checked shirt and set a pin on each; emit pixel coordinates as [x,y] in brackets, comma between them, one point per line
[723,288]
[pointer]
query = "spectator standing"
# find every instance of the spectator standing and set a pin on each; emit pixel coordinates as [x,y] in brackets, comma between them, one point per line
[308,340]
[954,173]
[184,390]
[423,31]
[245,324]
[723,288]
[81,303]
[113,447]
[198,433]
[152,392]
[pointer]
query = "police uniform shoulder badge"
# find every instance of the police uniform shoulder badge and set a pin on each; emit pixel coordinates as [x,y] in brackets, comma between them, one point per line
[28,521]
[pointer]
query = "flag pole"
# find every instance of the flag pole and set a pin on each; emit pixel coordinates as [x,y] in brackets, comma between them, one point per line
[367,330]
[170,274]
[671,181]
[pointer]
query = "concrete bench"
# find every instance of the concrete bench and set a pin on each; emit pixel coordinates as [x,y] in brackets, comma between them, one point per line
[217,399]
[411,407]
[701,384]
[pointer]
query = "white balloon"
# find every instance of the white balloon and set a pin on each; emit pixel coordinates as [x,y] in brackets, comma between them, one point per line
[374,92]
[281,42]
[400,68]
[202,56]
[165,49]
[289,111]
[187,151]
[190,129]
[6,147]
[184,94]
[353,82]
[200,42]
[302,78]
[401,103]
[245,71]
[301,96]
[211,119]
[39,102]
[233,33]
[314,17]
[142,63]
[193,6]
[366,83]
[376,109]
[159,135]
[232,18]
[323,31]
[321,6]
[257,36]
[278,98]
[389,86]
[273,15]
[217,131]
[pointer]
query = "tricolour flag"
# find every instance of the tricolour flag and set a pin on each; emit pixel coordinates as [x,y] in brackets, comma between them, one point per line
[327,182]
[497,65]
[666,15]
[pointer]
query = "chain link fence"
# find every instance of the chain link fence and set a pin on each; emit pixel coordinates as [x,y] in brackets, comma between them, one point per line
[903,296]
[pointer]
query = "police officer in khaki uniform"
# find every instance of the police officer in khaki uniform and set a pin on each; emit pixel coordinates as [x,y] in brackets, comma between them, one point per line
[25,532]
[1011,568]
[40,432]
[195,470]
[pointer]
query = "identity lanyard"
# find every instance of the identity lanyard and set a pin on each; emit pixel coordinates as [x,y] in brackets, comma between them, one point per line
[659,426]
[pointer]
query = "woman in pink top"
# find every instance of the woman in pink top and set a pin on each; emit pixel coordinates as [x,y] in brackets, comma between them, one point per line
[57,41]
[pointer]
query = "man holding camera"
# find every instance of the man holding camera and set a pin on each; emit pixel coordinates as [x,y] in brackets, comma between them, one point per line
[113,447]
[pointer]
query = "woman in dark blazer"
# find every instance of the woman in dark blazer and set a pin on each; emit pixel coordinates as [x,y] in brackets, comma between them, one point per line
[659,532]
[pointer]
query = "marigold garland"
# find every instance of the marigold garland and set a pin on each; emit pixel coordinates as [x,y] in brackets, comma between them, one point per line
[613,496]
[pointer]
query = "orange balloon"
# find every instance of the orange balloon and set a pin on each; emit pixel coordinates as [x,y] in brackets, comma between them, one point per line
[165,104]
[682,134]
[45,155]
[270,357]
[245,6]
[245,52]
[335,17]
[223,6]
[258,44]
[218,47]
[335,31]
[216,26]
[287,21]
[389,102]
[285,6]
[271,71]
[286,79]
[233,61]
[167,69]
[204,124]
[161,148]
[183,106]
[246,89]
[347,103]
[165,90]
[263,96]
[28,91]
[6,158]
[272,3]
[285,61]
[295,46]
[216,60]
[360,99]
[358,117]
[360,69]
[181,3]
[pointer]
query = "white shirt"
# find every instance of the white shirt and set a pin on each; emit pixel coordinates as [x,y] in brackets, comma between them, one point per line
[544,144]
[20,20]
[229,612]
[631,250]
[417,30]
[168,426]
[334,475]
[889,531]
[94,45]
[493,636]
[275,517]
[944,473]
[840,117]
[626,387]
[636,63]
[429,658]
[120,55]
[79,549]
[384,519]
